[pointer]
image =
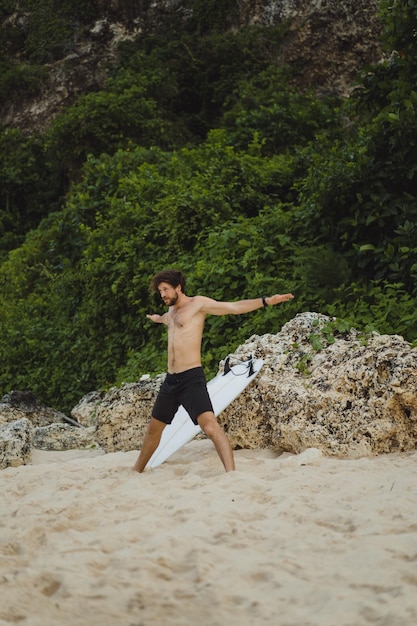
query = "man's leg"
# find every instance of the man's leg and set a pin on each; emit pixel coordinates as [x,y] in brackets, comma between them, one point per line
[150,444]
[213,430]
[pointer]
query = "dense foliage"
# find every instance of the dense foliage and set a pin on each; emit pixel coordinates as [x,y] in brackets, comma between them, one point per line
[199,153]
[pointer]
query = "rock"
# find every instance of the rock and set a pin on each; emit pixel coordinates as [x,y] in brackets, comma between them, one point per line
[20,399]
[63,437]
[15,443]
[17,405]
[124,413]
[310,456]
[330,42]
[342,393]
[24,424]
[85,411]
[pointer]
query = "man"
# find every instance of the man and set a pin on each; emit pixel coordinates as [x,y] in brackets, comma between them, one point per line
[185,382]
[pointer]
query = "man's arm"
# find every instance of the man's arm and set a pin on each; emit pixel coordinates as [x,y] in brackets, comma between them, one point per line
[158,319]
[213,307]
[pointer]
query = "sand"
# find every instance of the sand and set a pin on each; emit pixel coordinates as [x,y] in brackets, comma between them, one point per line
[284,541]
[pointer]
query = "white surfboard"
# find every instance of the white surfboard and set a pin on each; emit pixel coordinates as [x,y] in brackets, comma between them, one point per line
[223,389]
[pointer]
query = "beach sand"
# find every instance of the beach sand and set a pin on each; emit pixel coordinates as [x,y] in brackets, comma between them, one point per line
[285,540]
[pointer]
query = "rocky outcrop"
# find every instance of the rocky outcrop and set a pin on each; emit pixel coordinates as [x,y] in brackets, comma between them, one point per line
[63,437]
[123,414]
[15,443]
[18,405]
[331,41]
[84,69]
[328,42]
[85,411]
[26,424]
[322,386]
[343,393]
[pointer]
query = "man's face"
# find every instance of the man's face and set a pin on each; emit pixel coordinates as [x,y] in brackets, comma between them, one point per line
[168,293]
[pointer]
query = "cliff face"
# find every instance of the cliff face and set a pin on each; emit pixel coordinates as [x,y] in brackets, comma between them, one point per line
[332,41]
[328,42]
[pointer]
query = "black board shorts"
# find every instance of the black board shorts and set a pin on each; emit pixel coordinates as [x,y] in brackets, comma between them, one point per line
[188,389]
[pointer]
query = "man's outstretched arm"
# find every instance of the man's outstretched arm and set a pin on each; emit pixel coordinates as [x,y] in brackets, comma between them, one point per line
[213,307]
[158,319]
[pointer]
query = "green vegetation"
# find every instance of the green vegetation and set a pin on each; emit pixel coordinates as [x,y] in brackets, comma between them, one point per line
[199,153]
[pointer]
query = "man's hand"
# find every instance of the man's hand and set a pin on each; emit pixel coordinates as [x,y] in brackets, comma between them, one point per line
[277,298]
[158,319]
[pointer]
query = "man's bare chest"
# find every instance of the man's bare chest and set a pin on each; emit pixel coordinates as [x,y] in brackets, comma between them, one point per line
[178,320]
[185,321]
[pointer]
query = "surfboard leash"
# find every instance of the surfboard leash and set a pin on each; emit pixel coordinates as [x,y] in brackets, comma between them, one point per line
[249,366]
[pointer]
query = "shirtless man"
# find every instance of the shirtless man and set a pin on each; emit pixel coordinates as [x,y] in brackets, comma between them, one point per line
[185,382]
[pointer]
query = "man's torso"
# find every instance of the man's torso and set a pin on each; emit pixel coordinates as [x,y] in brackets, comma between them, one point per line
[185,330]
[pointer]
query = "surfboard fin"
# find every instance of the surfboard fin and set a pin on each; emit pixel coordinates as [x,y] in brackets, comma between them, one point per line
[227,367]
[249,364]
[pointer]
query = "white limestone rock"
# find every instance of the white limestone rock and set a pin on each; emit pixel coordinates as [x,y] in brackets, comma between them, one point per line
[124,413]
[60,437]
[354,397]
[15,443]
[85,411]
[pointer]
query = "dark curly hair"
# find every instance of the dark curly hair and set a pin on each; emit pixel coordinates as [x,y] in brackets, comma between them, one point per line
[172,277]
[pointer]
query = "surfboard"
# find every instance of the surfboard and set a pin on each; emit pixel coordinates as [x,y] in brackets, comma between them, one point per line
[223,389]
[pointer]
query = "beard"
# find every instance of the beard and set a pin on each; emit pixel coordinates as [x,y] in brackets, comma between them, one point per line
[171,301]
